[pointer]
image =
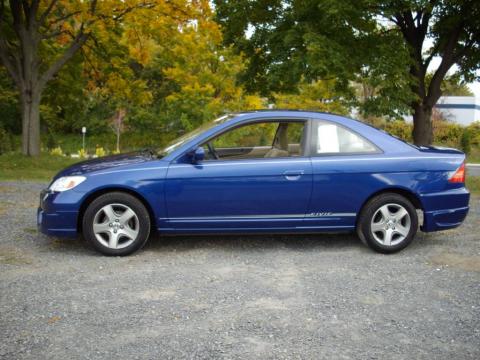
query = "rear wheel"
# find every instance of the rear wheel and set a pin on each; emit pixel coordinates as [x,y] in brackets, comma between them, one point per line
[388,223]
[116,224]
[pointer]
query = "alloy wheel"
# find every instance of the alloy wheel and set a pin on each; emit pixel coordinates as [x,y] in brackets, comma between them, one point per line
[116,226]
[390,224]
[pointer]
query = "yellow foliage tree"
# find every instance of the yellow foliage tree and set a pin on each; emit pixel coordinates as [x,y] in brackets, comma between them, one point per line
[204,72]
[318,96]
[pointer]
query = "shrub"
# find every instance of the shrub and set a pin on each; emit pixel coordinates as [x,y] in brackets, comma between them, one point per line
[6,141]
[51,141]
[82,153]
[447,133]
[399,128]
[465,142]
[474,129]
[99,151]
[56,151]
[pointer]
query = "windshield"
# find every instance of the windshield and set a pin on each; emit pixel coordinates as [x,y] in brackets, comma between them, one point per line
[175,144]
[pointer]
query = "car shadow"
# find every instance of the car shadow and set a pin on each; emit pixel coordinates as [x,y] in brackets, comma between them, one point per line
[241,243]
[253,242]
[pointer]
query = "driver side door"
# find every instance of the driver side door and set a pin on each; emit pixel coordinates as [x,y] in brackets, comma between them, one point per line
[254,177]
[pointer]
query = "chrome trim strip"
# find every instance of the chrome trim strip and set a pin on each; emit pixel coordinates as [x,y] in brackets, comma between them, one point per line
[259,217]
[249,230]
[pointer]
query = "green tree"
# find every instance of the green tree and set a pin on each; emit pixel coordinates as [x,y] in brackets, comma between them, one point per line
[380,43]
[316,96]
[454,86]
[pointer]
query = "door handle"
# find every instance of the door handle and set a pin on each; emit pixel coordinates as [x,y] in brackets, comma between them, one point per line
[293,174]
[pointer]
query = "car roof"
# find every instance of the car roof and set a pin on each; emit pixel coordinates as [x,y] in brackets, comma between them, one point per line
[381,139]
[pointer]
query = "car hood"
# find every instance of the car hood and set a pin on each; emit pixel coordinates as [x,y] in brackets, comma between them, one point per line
[107,162]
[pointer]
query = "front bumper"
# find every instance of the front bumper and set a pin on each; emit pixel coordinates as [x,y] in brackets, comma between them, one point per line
[57,215]
[445,210]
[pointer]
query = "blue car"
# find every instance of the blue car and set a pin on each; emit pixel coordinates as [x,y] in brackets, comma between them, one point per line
[262,172]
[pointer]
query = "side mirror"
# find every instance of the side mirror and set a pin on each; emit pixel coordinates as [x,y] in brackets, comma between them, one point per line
[198,154]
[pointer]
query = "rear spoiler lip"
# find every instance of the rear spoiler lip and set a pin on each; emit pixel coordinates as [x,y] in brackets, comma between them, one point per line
[439,150]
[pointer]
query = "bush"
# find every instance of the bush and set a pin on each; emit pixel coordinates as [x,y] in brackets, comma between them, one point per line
[99,151]
[6,141]
[474,130]
[82,153]
[56,151]
[465,142]
[447,133]
[399,128]
[51,141]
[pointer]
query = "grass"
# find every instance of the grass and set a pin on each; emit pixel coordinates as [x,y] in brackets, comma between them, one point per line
[14,166]
[473,184]
[72,143]
[473,159]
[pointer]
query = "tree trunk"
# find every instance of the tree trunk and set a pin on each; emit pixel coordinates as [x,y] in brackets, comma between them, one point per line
[30,111]
[422,125]
[118,140]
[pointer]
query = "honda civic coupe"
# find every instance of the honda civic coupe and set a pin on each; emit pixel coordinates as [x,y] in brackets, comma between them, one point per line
[262,172]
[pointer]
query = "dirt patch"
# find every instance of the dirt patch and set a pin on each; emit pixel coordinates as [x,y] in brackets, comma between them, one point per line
[12,256]
[6,189]
[457,261]
[30,230]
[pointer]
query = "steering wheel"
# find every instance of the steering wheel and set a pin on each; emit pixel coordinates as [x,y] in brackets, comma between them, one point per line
[212,151]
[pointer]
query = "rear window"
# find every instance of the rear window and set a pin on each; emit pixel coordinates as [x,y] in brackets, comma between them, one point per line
[332,139]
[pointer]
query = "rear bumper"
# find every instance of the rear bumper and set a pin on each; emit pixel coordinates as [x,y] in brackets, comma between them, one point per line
[445,210]
[55,217]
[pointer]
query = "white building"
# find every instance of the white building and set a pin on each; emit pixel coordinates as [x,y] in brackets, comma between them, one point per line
[460,109]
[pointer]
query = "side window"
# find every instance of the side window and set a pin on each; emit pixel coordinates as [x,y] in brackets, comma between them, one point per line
[258,140]
[332,138]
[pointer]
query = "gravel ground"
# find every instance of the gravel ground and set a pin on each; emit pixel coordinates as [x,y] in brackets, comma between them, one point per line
[269,297]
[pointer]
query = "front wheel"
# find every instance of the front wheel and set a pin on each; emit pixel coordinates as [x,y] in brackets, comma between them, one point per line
[388,223]
[116,224]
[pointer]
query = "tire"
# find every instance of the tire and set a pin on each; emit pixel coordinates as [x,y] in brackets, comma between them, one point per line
[116,224]
[388,223]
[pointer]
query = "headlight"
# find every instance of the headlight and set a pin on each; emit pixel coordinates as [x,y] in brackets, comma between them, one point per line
[66,183]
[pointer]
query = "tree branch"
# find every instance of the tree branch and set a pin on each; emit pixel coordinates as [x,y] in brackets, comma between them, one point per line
[448,59]
[43,17]
[5,56]
[26,10]
[76,44]
[16,10]
[2,10]
[64,17]
[55,34]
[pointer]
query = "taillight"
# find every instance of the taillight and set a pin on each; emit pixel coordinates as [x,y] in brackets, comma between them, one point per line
[459,175]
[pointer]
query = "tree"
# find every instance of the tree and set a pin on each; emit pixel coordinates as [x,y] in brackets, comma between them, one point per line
[316,96]
[454,29]
[453,86]
[38,38]
[202,73]
[384,43]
